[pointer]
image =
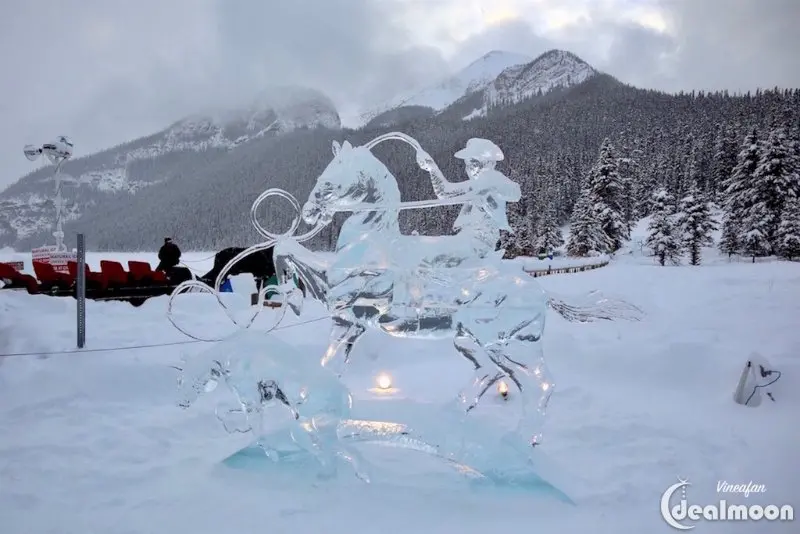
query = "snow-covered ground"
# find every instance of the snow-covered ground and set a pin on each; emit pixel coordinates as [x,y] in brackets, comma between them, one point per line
[92,441]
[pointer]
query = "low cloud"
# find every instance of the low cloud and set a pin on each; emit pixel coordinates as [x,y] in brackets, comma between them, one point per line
[105,72]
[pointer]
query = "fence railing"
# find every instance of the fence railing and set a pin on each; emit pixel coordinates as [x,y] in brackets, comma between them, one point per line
[564,270]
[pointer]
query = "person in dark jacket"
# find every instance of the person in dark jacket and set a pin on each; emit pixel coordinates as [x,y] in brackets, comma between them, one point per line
[169,256]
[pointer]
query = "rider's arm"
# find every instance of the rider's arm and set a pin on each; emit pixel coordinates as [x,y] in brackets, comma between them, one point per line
[501,187]
[441,186]
[509,191]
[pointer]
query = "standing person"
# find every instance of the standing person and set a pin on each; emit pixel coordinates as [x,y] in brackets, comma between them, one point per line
[169,255]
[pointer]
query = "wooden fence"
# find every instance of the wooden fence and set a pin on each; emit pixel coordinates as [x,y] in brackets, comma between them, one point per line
[563,270]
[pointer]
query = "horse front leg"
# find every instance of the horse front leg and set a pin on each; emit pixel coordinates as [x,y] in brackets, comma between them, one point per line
[317,439]
[291,257]
[345,332]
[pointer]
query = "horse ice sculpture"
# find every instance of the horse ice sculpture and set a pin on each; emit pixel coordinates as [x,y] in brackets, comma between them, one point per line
[453,287]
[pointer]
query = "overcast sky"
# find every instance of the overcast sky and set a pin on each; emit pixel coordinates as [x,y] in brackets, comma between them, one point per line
[107,71]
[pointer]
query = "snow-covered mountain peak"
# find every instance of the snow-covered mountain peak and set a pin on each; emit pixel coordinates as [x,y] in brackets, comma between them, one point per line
[279,108]
[554,68]
[480,73]
[475,77]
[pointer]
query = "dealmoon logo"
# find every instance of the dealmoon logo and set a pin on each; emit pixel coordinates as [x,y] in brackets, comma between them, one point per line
[677,515]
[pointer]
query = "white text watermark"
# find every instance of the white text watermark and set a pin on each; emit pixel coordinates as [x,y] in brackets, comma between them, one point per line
[677,511]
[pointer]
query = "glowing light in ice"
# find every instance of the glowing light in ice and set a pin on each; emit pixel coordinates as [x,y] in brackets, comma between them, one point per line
[384,381]
[502,388]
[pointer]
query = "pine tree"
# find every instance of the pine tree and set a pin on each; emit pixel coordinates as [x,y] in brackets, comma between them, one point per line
[695,224]
[663,238]
[788,238]
[627,170]
[729,239]
[755,233]
[586,233]
[738,193]
[520,242]
[774,179]
[607,190]
[724,159]
[550,237]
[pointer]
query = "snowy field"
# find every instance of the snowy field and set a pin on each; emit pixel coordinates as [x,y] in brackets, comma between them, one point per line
[92,441]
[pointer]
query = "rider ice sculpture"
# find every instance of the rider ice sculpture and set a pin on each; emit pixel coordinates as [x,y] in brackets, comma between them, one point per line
[483,218]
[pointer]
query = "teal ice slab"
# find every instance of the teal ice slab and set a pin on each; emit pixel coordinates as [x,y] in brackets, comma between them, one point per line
[492,464]
[299,462]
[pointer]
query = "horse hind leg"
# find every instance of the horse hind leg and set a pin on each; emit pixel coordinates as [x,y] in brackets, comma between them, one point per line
[522,360]
[485,373]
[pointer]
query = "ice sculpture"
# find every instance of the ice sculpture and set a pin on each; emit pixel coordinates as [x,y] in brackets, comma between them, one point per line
[427,287]
[409,286]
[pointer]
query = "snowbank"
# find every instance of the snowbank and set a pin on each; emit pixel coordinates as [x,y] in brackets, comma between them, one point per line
[93,440]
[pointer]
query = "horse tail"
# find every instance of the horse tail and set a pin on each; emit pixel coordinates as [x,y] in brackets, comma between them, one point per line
[592,307]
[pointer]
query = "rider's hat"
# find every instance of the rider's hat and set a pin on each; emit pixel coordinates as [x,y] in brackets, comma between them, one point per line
[480,150]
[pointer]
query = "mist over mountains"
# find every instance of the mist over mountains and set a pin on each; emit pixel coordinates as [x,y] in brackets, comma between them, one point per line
[196,179]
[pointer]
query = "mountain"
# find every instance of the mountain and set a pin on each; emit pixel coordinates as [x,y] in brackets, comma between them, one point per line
[475,77]
[550,141]
[26,210]
[498,78]
[202,196]
[277,109]
[555,68]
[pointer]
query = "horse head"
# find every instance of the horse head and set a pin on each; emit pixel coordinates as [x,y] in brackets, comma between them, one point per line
[354,176]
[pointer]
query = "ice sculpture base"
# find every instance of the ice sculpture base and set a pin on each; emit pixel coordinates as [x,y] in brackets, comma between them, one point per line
[292,461]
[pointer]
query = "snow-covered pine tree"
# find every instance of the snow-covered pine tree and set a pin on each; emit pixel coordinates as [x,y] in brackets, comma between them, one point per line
[628,163]
[550,237]
[729,238]
[607,190]
[775,178]
[648,182]
[520,242]
[586,233]
[755,233]
[663,233]
[738,192]
[628,175]
[788,238]
[724,159]
[695,224]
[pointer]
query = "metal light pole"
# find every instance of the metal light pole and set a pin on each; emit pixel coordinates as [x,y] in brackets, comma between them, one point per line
[57,152]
